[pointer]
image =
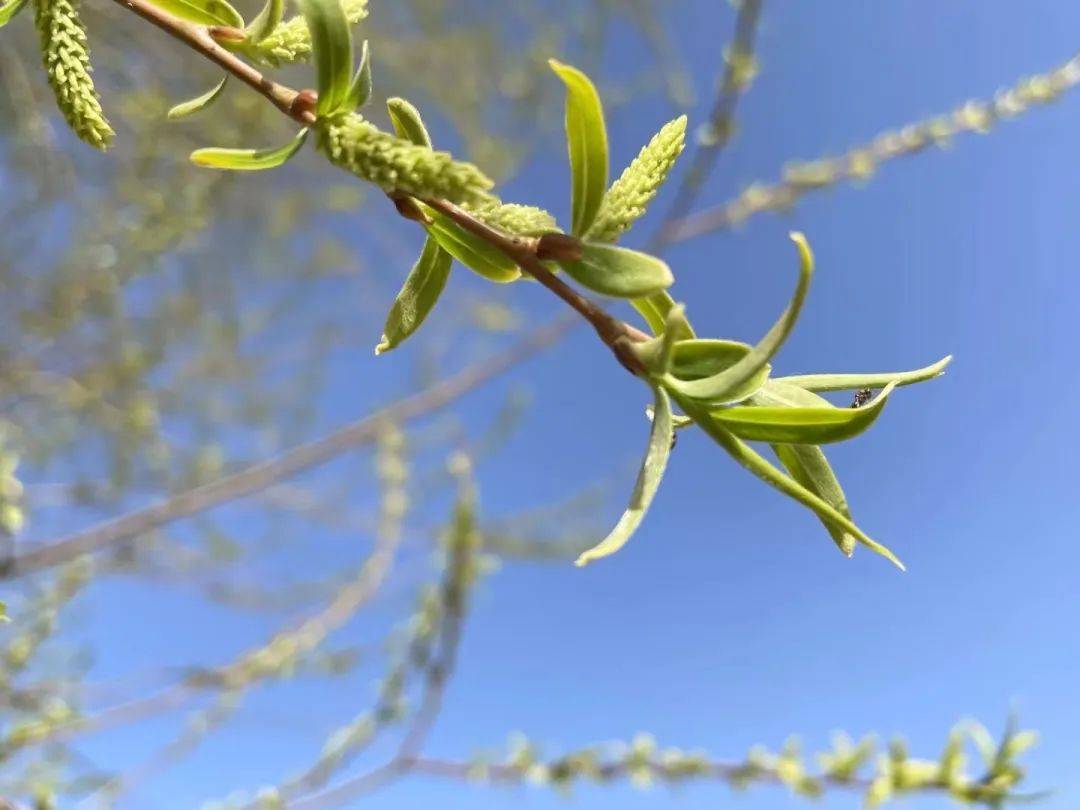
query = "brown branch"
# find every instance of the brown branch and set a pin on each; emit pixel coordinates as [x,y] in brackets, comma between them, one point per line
[197,37]
[721,124]
[259,476]
[612,331]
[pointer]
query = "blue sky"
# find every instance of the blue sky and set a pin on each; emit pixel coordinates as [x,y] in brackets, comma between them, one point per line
[730,619]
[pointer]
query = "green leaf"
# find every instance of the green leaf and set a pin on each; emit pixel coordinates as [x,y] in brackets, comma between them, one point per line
[656,355]
[778,392]
[783,425]
[203,12]
[586,139]
[752,461]
[648,481]
[407,122]
[471,250]
[4,618]
[360,89]
[731,382]
[331,43]
[655,308]
[9,9]
[808,465]
[847,382]
[618,272]
[192,106]
[248,160]
[696,360]
[418,295]
[265,21]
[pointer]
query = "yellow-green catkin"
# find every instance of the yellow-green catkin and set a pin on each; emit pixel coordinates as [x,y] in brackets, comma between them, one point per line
[523,220]
[67,62]
[396,165]
[629,196]
[291,40]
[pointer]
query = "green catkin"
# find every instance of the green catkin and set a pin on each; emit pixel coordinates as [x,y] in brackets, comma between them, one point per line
[67,62]
[523,220]
[629,196]
[291,40]
[396,165]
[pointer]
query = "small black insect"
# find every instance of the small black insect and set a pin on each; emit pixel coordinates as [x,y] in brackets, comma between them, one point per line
[862,396]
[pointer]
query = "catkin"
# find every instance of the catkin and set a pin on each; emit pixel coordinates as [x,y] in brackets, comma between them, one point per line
[629,196]
[291,40]
[523,220]
[67,62]
[396,165]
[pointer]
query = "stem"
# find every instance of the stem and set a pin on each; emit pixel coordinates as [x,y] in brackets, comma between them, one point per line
[197,37]
[298,105]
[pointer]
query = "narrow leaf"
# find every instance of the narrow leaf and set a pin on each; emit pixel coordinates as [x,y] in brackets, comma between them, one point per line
[265,21]
[331,43]
[360,89]
[192,106]
[203,12]
[586,140]
[847,382]
[418,295]
[752,461]
[618,272]
[778,392]
[782,425]
[9,9]
[248,159]
[655,308]
[648,481]
[407,122]
[808,465]
[725,386]
[471,250]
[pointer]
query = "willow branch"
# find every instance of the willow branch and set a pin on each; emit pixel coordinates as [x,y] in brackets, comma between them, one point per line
[859,164]
[738,72]
[258,477]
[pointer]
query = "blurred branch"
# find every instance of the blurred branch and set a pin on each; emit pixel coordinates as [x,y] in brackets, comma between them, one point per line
[740,67]
[859,164]
[259,476]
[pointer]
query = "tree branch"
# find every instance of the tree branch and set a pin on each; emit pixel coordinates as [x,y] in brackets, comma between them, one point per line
[738,72]
[259,476]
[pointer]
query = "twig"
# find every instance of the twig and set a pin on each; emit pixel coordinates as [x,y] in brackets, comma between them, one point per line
[859,163]
[738,61]
[259,476]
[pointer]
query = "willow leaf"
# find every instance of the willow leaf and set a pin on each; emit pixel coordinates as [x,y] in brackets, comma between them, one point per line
[407,122]
[655,308]
[418,295]
[331,43]
[850,382]
[9,9]
[268,18]
[586,141]
[808,465]
[648,481]
[360,89]
[756,464]
[618,272]
[192,106]
[783,425]
[203,12]
[729,383]
[248,160]
[471,250]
